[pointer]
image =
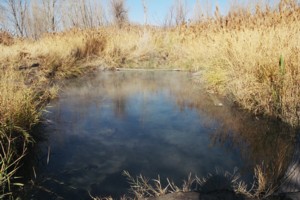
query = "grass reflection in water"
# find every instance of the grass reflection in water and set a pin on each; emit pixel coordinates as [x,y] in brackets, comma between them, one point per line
[152,123]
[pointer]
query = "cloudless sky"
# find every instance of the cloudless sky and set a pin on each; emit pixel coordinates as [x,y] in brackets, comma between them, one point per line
[158,9]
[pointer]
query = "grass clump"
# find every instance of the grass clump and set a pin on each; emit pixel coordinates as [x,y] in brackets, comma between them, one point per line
[220,184]
[28,71]
[17,101]
[10,160]
[17,114]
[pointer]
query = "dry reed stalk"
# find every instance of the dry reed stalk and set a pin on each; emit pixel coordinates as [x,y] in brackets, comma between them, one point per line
[238,53]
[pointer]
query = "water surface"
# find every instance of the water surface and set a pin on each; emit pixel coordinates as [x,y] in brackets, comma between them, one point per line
[150,123]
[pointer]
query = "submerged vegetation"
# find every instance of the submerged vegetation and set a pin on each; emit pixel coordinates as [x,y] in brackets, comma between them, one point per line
[250,55]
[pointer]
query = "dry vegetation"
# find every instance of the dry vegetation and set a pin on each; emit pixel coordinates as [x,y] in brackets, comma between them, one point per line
[250,55]
[218,184]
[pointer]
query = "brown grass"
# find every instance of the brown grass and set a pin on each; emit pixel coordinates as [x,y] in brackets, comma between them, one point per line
[238,55]
[6,38]
[242,58]
[145,188]
[10,161]
[16,100]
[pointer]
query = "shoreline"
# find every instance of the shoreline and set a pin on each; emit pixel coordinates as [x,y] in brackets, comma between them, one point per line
[252,60]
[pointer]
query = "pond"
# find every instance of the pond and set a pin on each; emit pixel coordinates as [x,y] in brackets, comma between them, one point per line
[150,123]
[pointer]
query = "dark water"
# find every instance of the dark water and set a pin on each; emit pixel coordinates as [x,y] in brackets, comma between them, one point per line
[147,123]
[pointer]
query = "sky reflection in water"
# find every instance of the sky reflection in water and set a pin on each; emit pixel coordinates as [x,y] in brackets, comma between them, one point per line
[148,123]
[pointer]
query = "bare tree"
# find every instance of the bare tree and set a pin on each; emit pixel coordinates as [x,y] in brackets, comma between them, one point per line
[198,12]
[92,14]
[17,10]
[177,14]
[180,12]
[41,17]
[49,7]
[169,19]
[36,25]
[2,17]
[69,14]
[145,12]
[83,14]
[119,12]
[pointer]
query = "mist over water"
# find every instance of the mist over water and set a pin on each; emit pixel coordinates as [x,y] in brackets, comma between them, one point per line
[150,123]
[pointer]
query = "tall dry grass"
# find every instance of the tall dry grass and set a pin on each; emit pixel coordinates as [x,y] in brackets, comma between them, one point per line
[16,100]
[251,56]
[239,55]
[217,185]
[28,71]
[10,160]
[17,114]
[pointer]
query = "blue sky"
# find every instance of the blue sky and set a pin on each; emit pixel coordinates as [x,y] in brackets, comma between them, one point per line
[158,9]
